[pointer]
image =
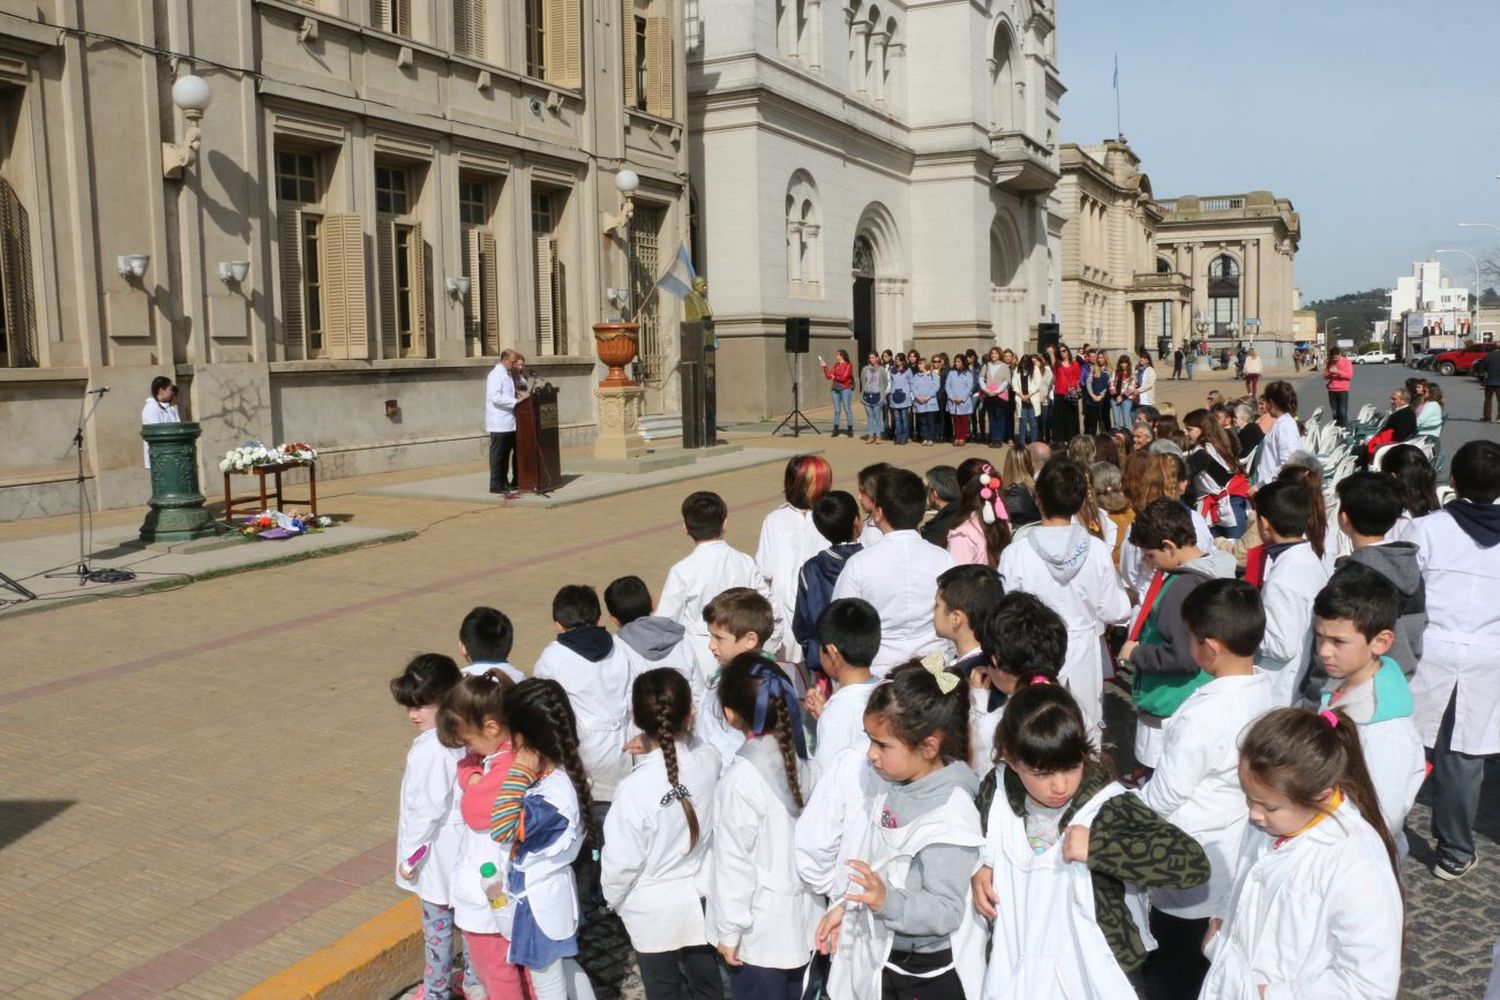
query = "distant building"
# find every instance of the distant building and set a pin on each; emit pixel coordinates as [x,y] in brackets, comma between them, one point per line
[1431,313]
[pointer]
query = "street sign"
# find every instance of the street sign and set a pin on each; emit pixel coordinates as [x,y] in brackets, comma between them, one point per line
[1252,322]
[1344,343]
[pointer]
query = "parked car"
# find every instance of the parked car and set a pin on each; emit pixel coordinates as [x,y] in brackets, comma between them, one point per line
[1461,360]
[1373,358]
[1421,361]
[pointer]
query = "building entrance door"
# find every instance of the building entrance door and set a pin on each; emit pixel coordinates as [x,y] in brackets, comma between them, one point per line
[864,301]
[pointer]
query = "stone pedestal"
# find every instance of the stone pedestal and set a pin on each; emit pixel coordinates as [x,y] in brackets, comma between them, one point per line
[177,513]
[619,423]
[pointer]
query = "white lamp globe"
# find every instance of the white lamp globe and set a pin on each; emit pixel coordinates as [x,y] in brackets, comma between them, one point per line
[626,181]
[191,93]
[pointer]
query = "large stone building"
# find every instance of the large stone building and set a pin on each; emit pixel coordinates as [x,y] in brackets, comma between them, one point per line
[913,148]
[299,265]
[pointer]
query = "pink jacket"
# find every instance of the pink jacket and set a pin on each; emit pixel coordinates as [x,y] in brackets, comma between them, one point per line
[1338,374]
[966,543]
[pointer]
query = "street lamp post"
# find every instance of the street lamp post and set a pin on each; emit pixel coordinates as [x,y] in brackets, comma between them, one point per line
[1472,260]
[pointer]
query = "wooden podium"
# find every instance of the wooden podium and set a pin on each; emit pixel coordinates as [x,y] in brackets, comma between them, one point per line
[539,468]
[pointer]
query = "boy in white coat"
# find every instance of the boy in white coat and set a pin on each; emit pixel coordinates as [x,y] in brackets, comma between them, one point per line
[898,576]
[710,569]
[1354,622]
[1073,573]
[848,637]
[485,639]
[1024,642]
[1293,576]
[1196,785]
[1457,686]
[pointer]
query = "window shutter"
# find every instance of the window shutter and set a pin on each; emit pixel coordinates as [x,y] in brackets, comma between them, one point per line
[560,303]
[544,284]
[345,333]
[403,17]
[418,292]
[385,285]
[469,28]
[15,262]
[563,35]
[289,249]
[473,269]
[489,284]
[659,66]
[380,14]
[627,50]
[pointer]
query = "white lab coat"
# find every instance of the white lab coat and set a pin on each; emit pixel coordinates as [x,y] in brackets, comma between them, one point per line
[547,874]
[695,580]
[472,911]
[1291,584]
[788,538]
[480,669]
[982,726]
[1320,916]
[1146,387]
[1281,440]
[870,535]
[1196,785]
[842,724]
[1092,600]
[499,401]
[1397,766]
[157,413]
[429,817]
[649,875]
[755,899]
[1046,943]
[1461,646]
[832,825]
[899,577]
[600,696]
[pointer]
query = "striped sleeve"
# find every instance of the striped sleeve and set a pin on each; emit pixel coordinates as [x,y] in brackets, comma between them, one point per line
[505,818]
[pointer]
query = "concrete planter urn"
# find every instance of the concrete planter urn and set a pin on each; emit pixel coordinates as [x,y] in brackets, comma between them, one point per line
[177,513]
[617,344]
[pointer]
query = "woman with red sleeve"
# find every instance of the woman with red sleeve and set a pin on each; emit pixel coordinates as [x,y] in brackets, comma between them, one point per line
[1065,378]
[1338,374]
[842,377]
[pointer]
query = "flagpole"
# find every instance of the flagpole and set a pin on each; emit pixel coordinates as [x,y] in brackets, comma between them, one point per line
[635,316]
[1119,132]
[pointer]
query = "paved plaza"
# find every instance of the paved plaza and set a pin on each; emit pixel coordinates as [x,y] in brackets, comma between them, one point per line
[201,783]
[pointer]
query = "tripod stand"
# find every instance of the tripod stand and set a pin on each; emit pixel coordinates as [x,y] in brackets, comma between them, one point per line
[82,572]
[796,418]
[7,583]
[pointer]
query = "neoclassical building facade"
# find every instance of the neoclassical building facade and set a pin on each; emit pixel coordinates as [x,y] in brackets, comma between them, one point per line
[380,196]
[885,169]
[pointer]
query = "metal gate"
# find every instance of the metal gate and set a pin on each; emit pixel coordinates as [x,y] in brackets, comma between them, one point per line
[645,261]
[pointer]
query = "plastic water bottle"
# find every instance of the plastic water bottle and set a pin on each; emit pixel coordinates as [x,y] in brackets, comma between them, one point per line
[493,884]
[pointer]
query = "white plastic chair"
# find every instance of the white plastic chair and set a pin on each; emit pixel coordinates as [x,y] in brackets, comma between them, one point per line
[1366,414]
[1315,415]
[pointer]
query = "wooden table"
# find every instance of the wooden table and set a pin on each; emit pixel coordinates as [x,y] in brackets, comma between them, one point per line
[260,472]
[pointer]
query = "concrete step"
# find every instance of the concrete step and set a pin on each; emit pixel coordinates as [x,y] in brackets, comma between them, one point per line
[660,427]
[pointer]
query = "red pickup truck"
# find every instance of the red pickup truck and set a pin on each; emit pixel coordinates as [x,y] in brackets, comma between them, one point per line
[1461,360]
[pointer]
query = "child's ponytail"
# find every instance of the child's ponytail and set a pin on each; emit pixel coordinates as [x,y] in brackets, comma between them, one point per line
[1301,754]
[662,703]
[923,697]
[757,691]
[539,713]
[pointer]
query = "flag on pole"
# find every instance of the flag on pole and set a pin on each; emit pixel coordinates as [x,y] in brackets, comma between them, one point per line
[679,278]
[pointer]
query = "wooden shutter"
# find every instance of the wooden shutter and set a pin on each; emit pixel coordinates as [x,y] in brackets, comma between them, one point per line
[627,50]
[559,303]
[403,17]
[380,14]
[15,265]
[345,332]
[289,251]
[473,269]
[562,30]
[545,330]
[659,66]
[385,286]
[418,290]
[489,286]
[469,28]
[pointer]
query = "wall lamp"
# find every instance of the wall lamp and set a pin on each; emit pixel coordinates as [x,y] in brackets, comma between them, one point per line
[626,182]
[191,94]
[132,265]
[457,287]
[234,272]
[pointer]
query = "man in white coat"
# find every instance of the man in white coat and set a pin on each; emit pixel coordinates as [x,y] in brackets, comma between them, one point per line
[1456,689]
[1073,573]
[500,399]
[898,576]
[1294,574]
[161,408]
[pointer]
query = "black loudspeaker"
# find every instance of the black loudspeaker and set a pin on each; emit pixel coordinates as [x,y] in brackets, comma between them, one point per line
[1048,334]
[798,334]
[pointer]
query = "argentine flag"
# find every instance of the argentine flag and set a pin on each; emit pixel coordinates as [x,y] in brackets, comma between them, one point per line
[679,277]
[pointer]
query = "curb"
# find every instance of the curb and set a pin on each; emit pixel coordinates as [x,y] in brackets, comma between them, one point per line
[379,958]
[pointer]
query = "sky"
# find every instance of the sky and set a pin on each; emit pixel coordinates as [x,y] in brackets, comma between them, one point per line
[1375,117]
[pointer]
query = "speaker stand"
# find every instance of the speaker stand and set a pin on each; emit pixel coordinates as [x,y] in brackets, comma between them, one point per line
[796,419]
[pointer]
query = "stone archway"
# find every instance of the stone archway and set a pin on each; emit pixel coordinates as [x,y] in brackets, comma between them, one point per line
[878,258]
[1008,321]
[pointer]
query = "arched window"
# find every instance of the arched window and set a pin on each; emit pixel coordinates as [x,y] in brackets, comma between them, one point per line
[1224,294]
[804,270]
[1163,266]
[1002,81]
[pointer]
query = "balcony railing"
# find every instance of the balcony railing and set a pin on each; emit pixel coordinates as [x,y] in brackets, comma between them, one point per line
[1160,279]
[1022,165]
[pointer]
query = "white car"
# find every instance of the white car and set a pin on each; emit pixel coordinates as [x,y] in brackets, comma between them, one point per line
[1373,358]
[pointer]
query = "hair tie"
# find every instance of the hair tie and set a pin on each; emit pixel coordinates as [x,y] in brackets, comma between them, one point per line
[678,793]
[937,665]
[1329,717]
[773,681]
[1039,679]
[990,487]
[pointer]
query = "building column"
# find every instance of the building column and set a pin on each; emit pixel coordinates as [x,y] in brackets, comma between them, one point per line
[878,41]
[861,42]
[812,274]
[1249,282]
[813,55]
[793,252]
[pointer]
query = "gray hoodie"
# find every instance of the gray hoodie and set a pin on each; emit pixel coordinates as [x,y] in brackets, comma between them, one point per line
[924,914]
[1064,549]
[1397,562]
[652,636]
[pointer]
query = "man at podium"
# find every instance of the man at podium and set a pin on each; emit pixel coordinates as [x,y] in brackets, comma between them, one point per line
[500,399]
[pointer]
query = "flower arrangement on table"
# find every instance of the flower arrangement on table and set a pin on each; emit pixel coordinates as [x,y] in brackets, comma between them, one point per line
[274,524]
[248,456]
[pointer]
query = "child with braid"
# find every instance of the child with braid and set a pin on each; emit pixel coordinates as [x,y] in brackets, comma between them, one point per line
[760,915]
[656,840]
[544,810]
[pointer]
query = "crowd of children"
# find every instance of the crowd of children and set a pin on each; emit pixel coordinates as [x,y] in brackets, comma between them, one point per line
[859,764]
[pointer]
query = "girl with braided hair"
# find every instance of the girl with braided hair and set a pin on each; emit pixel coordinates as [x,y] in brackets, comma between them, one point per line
[656,840]
[760,914]
[545,812]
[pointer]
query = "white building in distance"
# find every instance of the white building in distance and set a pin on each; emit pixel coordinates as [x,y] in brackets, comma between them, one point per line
[913,148]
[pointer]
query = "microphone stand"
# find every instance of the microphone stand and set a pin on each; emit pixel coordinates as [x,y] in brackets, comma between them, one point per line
[82,572]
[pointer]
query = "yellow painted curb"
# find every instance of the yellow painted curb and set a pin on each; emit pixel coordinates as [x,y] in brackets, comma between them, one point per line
[376,959]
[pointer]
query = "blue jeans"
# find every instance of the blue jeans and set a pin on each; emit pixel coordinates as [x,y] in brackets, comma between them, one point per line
[1119,414]
[900,423]
[1028,424]
[994,412]
[1190,370]
[927,423]
[843,400]
[874,422]
[1044,423]
[1339,403]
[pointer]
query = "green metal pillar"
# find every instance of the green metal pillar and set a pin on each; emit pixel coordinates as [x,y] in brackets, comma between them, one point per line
[177,513]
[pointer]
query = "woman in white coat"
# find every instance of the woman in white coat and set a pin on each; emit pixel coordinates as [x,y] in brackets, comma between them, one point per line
[1316,908]
[656,839]
[788,539]
[160,408]
[1283,438]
